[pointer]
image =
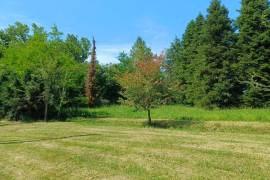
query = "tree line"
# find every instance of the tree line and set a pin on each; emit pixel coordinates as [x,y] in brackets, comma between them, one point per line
[42,74]
[219,62]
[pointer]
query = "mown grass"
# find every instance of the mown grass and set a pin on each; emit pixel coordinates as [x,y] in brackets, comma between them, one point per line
[113,148]
[178,112]
[116,143]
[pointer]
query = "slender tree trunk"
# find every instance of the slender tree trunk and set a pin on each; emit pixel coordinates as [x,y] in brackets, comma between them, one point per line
[149,117]
[46,111]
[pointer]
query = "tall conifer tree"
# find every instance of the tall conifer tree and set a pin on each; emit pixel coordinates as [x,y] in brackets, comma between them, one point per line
[216,57]
[254,51]
[192,43]
[139,51]
[91,78]
[181,59]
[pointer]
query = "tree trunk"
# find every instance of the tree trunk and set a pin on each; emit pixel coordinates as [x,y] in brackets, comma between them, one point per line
[149,117]
[45,111]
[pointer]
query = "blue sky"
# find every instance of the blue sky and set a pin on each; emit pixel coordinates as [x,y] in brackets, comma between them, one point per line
[114,23]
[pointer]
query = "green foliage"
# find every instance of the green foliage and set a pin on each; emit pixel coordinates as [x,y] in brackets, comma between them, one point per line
[38,78]
[55,34]
[203,62]
[16,33]
[213,65]
[140,51]
[187,63]
[254,50]
[174,72]
[217,55]
[108,89]
[143,86]
[126,63]
[79,49]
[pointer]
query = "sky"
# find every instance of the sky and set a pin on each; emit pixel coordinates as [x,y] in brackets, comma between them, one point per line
[115,24]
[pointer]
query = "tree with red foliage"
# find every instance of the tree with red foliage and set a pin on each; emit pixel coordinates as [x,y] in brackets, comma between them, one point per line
[91,76]
[143,86]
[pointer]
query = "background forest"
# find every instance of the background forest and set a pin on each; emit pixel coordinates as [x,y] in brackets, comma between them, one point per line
[218,63]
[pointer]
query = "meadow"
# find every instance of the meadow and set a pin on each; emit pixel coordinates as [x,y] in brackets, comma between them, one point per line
[179,112]
[116,143]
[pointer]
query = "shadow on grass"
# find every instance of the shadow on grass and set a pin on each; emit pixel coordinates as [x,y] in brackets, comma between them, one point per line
[63,117]
[9,124]
[184,122]
[83,113]
[45,139]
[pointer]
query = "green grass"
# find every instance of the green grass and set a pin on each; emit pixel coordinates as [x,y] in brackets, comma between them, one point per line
[115,143]
[189,113]
[113,148]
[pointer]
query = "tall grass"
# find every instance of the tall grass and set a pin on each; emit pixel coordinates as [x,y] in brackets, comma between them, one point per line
[173,112]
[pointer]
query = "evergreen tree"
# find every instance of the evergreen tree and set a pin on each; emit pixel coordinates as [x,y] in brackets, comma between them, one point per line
[216,56]
[140,51]
[91,78]
[254,51]
[173,68]
[183,61]
[193,64]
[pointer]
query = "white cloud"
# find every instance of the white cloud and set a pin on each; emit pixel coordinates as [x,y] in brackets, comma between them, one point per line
[157,32]
[107,53]
[154,31]
[157,35]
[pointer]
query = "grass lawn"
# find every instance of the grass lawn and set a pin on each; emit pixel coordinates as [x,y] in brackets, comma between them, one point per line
[179,112]
[119,148]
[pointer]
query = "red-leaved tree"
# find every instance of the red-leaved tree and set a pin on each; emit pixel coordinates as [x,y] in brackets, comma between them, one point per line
[143,86]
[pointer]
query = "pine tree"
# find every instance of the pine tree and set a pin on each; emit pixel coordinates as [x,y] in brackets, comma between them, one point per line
[140,51]
[254,51]
[182,60]
[91,78]
[172,66]
[192,43]
[217,55]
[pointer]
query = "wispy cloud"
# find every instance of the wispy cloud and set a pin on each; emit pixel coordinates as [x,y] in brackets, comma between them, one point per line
[7,18]
[157,35]
[108,53]
[153,29]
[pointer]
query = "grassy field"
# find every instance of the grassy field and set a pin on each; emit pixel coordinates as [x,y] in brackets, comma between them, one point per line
[121,148]
[177,112]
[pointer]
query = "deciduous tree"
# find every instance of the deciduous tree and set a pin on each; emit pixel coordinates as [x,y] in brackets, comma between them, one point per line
[143,86]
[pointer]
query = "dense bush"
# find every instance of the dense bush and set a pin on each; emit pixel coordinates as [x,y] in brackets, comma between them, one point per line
[42,75]
[38,79]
